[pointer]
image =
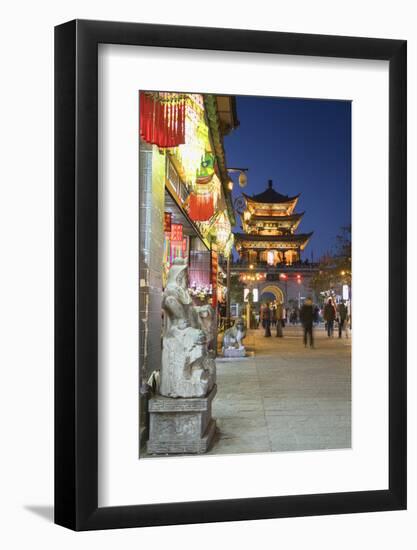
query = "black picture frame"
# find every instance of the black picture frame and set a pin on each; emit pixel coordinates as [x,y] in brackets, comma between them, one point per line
[76,272]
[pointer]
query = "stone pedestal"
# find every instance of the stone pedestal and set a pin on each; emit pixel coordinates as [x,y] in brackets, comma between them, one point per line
[234,352]
[182,425]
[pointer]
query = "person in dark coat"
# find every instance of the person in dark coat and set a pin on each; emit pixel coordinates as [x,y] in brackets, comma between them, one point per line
[316,315]
[273,315]
[306,318]
[280,319]
[329,316]
[266,320]
[342,313]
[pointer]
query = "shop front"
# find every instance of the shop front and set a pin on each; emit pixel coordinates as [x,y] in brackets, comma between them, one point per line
[185,206]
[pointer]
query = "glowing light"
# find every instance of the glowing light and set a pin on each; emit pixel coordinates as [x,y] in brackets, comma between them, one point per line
[343,273]
[283,276]
[345,292]
[230,185]
[243,180]
[251,266]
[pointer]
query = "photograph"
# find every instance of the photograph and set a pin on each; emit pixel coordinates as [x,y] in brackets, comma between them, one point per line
[202,345]
[245,274]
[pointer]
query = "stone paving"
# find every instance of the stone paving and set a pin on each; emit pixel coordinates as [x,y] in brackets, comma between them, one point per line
[286,397]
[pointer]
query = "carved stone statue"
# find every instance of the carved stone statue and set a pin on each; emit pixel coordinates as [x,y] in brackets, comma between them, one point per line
[205,319]
[232,340]
[187,369]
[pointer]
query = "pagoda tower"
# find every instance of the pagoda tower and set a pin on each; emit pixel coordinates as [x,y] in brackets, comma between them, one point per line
[269,226]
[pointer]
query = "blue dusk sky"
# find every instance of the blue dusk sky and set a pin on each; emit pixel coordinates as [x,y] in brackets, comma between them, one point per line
[304,146]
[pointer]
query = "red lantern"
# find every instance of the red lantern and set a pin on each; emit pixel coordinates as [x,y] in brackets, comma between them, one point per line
[162,119]
[201,203]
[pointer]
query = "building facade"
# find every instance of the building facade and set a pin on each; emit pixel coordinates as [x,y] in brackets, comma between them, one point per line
[185,207]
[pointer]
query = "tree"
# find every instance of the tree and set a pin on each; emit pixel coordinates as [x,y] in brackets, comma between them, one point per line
[236,289]
[335,268]
[343,252]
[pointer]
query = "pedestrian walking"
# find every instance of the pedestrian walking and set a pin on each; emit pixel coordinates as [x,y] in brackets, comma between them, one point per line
[261,315]
[329,317]
[280,320]
[297,315]
[306,318]
[342,314]
[273,315]
[266,320]
[346,325]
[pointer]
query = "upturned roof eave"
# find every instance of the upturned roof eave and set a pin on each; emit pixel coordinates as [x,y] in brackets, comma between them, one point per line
[272,238]
[291,217]
[284,200]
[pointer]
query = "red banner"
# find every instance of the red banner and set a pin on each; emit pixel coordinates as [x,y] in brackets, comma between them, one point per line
[167,222]
[184,246]
[176,232]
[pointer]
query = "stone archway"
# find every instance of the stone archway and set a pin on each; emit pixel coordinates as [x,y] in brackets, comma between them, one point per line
[274,290]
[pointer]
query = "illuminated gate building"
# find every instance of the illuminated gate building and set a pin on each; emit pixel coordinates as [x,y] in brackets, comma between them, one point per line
[270,248]
[269,224]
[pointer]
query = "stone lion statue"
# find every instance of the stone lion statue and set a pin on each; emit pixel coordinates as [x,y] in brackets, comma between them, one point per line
[234,335]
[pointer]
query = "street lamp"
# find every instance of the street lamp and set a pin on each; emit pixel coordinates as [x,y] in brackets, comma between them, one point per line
[243,179]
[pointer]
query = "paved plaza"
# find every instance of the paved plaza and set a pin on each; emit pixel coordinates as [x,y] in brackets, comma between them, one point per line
[285,397]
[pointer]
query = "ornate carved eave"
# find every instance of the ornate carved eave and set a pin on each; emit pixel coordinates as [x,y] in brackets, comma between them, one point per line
[272,242]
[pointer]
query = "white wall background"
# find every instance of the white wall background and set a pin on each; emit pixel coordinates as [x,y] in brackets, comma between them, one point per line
[26,284]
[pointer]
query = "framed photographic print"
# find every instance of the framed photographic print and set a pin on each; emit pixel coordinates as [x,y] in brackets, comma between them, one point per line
[230,275]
